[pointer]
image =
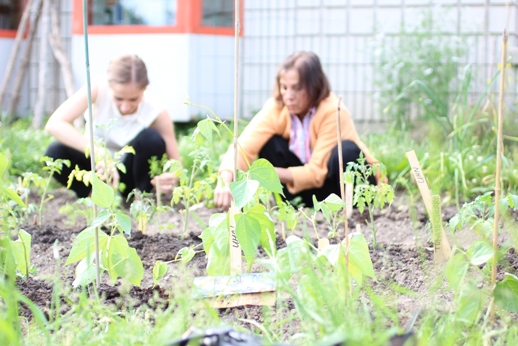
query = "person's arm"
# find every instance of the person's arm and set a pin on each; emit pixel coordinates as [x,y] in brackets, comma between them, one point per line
[60,122]
[164,126]
[285,175]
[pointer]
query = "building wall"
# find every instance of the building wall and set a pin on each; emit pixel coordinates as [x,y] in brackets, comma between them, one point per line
[179,66]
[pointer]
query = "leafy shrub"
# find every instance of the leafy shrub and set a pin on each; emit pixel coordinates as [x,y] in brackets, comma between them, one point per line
[26,147]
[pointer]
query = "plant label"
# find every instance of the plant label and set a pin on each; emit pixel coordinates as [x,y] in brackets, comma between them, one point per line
[443,246]
[235,248]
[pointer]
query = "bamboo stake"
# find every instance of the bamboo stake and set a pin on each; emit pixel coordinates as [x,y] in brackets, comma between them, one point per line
[14,52]
[235,248]
[24,64]
[499,151]
[39,107]
[91,133]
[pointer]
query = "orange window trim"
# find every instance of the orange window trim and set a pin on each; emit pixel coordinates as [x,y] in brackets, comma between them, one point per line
[188,20]
[7,33]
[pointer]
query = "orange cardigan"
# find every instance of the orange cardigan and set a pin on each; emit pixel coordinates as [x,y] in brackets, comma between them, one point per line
[274,120]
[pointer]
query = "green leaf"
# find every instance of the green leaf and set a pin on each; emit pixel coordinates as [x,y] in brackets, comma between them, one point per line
[99,220]
[264,172]
[218,263]
[334,202]
[268,235]
[456,269]
[85,272]
[221,233]
[480,252]
[248,233]
[102,194]
[186,254]
[22,251]
[124,261]
[205,128]
[506,293]
[243,191]
[123,222]
[359,255]
[470,306]
[332,253]
[11,194]
[159,270]
[84,245]
[3,164]
[288,258]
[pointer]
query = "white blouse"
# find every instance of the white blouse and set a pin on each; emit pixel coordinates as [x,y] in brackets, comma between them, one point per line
[115,129]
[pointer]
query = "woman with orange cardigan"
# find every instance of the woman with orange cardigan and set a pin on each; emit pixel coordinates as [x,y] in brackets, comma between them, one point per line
[296,132]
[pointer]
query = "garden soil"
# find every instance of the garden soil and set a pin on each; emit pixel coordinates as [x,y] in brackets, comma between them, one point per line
[403,260]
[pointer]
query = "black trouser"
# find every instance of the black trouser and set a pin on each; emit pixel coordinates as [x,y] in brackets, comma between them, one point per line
[147,143]
[277,151]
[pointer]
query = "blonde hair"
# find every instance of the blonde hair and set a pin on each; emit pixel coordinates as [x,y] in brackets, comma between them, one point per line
[127,69]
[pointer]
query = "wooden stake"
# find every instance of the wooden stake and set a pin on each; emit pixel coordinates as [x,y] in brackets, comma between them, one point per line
[15,50]
[39,107]
[427,199]
[437,230]
[235,248]
[24,64]
[499,151]
[59,52]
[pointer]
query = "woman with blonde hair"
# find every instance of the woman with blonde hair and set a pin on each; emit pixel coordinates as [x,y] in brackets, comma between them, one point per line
[124,113]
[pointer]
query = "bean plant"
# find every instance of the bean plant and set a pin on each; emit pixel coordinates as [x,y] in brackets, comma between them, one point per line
[116,256]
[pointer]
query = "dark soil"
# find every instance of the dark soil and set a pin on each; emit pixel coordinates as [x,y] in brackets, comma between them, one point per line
[403,257]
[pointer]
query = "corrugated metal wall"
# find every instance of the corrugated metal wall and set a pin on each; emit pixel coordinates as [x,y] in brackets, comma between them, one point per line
[344,33]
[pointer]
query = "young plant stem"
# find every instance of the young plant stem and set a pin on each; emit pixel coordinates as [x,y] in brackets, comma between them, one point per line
[342,185]
[371,225]
[91,132]
[158,198]
[43,195]
[499,151]
[187,205]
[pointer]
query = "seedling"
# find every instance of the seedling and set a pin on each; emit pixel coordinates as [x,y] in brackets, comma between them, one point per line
[14,255]
[116,257]
[366,194]
[142,209]
[52,166]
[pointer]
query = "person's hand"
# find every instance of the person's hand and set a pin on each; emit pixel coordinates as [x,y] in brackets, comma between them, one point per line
[222,195]
[109,175]
[166,182]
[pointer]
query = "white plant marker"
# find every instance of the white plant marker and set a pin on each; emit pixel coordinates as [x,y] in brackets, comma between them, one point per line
[442,249]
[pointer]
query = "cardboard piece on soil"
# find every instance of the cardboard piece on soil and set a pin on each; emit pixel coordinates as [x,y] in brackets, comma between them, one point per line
[237,289]
[442,249]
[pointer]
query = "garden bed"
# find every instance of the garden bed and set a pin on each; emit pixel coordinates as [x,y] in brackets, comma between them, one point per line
[403,259]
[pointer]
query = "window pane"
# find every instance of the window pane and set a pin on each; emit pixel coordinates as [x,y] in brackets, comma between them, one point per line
[10,13]
[218,13]
[133,12]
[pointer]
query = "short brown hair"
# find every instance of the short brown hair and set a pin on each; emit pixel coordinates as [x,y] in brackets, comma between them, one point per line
[312,77]
[126,69]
